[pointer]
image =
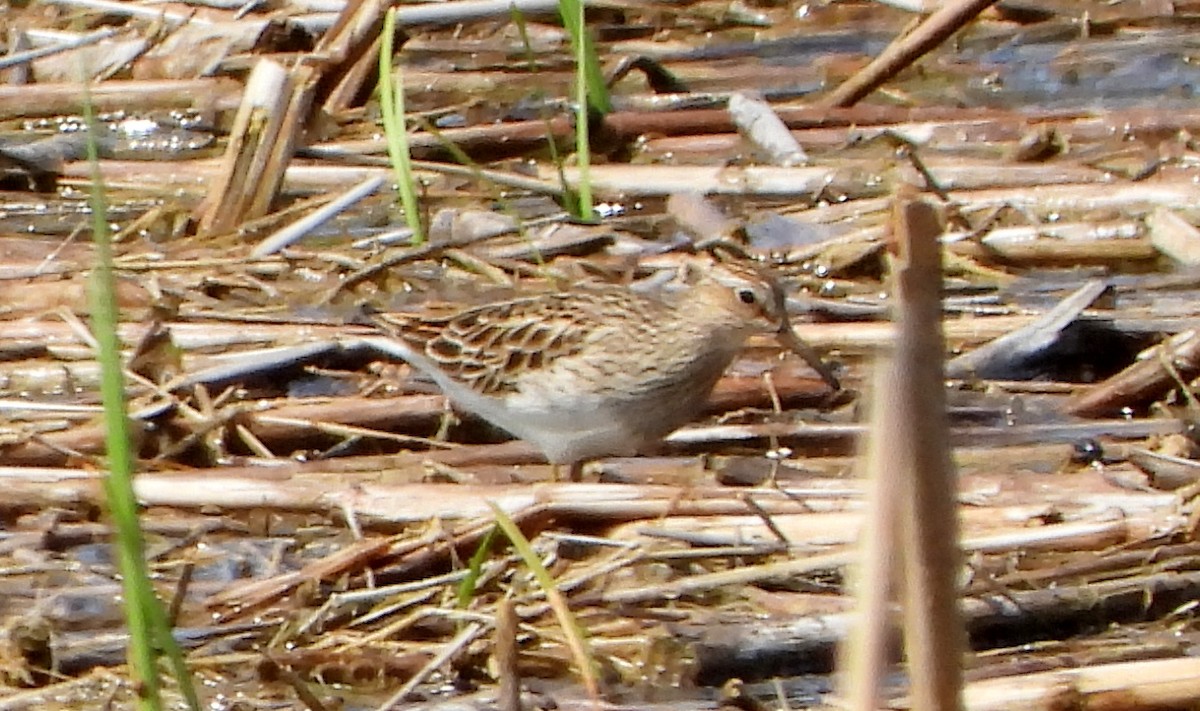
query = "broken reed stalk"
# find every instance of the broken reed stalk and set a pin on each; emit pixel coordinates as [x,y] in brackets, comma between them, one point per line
[508,698]
[913,500]
[865,656]
[253,166]
[934,638]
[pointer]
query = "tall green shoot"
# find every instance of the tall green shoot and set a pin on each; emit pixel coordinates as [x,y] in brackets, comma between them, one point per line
[587,62]
[570,198]
[391,105]
[591,95]
[146,620]
[466,588]
[574,635]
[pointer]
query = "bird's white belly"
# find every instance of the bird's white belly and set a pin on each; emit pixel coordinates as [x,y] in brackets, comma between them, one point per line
[574,429]
[567,428]
[571,424]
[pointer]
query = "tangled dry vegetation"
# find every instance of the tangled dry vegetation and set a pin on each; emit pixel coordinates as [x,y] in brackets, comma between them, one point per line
[321,523]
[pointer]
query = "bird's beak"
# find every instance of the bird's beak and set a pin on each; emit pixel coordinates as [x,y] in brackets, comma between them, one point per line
[788,339]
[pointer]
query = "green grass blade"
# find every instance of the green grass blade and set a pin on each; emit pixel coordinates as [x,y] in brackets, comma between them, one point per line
[590,95]
[570,198]
[146,620]
[505,207]
[583,92]
[576,640]
[571,12]
[391,106]
[118,485]
[466,588]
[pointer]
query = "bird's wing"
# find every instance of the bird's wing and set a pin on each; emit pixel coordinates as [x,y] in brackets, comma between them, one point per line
[488,347]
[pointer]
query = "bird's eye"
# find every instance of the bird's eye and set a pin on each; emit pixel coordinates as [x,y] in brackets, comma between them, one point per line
[747,296]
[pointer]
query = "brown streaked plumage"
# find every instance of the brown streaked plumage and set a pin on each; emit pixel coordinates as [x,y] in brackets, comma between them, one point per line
[599,370]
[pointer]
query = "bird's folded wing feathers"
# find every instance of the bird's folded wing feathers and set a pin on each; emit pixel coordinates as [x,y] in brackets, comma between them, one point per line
[489,347]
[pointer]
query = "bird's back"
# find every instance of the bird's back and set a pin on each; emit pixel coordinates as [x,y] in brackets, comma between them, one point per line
[598,370]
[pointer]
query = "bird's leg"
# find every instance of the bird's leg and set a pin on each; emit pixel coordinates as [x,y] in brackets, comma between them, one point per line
[448,419]
[574,471]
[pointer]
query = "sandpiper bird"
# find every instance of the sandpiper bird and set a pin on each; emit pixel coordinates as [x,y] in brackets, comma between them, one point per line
[598,370]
